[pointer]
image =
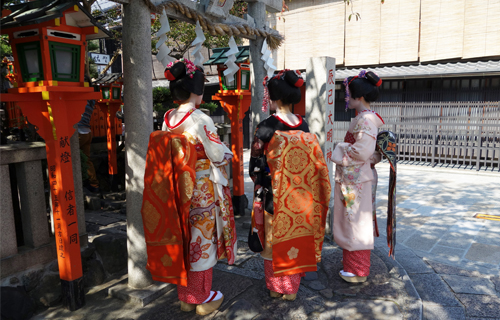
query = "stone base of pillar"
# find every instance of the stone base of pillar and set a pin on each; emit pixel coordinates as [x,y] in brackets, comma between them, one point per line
[240,203]
[73,295]
[141,297]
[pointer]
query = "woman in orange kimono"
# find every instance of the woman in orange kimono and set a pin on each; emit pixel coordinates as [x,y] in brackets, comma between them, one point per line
[209,229]
[356,178]
[292,190]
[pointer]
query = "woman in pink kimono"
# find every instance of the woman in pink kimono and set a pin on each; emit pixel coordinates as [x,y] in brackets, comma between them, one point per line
[356,178]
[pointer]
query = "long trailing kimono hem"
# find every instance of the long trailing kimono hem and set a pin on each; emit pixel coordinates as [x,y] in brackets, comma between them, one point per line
[168,187]
[301,194]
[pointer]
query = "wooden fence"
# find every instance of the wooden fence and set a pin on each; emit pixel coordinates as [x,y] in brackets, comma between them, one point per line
[453,134]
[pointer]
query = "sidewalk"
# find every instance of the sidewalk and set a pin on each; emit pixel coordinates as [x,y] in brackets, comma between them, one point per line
[447,262]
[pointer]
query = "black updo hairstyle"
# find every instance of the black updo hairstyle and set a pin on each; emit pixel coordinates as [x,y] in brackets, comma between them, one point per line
[286,88]
[366,87]
[181,83]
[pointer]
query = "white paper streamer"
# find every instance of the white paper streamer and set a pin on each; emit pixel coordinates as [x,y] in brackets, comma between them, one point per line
[198,41]
[250,21]
[164,50]
[232,67]
[268,61]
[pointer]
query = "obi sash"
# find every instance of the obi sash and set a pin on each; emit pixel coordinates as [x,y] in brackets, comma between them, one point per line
[169,181]
[301,191]
[386,144]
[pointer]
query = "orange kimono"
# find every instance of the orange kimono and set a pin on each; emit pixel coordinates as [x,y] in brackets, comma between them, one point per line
[301,190]
[169,181]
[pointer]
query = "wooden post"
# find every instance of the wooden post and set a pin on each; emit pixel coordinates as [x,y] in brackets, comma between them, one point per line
[50,111]
[110,109]
[236,106]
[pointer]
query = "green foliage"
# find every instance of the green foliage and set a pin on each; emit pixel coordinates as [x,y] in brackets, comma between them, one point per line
[93,45]
[92,68]
[212,106]
[112,20]
[5,49]
[162,100]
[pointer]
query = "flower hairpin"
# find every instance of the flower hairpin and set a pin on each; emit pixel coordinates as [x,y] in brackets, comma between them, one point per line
[190,66]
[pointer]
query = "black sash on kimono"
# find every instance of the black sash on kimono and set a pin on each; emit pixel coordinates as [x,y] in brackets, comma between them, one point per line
[386,144]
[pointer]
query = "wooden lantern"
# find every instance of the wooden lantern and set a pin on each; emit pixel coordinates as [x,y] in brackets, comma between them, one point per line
[235,98]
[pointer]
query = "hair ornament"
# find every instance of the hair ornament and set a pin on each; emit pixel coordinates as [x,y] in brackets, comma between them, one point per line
[190,69]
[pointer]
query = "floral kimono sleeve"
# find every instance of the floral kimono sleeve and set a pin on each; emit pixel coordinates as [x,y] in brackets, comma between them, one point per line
[215,150]
[365,134]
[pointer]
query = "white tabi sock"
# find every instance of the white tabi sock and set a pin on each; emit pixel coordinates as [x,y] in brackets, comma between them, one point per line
[218,295]
[347,274]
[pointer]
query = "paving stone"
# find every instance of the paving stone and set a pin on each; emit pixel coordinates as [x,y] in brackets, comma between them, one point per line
[442,268]
[246,225]
[411,262]
[489,233]
[456,240]
[403,233]
[447,253]
[99,219]
[425,239]
[241,310]
[468,227]
[460,284]
[253,268]
[386,310]
[480,305]
[496,282]
[484,253]
[31,279]
[92,203]
[113,251]
[310,276]
[431,288]
[413,220]
[437,312]
[16,303]
[327,293]
[428,211]
[316,285]
[48,291]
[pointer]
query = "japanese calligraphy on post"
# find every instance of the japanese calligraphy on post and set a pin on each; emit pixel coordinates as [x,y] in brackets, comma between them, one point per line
[330,116]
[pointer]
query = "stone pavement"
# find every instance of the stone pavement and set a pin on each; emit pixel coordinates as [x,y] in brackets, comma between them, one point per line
[446,267]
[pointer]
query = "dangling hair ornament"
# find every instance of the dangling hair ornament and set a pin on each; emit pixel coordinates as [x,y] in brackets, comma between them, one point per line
[348,80]
[265,100]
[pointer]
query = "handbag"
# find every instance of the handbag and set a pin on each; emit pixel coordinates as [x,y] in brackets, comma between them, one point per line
[256,236]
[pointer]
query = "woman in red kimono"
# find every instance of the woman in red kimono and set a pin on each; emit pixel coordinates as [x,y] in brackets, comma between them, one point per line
[356,178]
[198,198]
[292,190]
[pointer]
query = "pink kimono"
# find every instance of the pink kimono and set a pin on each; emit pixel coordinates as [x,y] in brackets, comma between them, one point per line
[355,187]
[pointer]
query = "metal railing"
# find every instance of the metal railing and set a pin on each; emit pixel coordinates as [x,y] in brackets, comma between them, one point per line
[462,134]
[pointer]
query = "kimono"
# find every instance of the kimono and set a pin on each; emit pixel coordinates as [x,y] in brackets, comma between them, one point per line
[210,227]
[355,188]
[287,162]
